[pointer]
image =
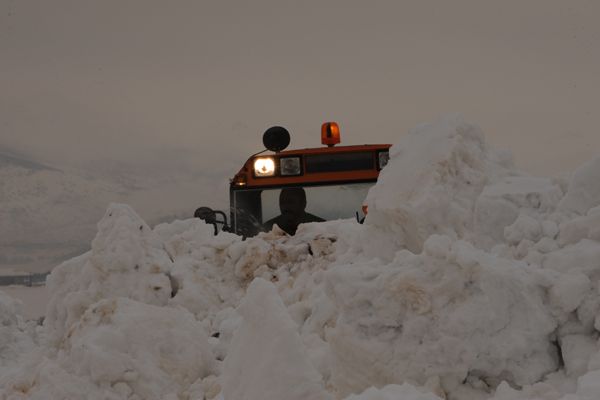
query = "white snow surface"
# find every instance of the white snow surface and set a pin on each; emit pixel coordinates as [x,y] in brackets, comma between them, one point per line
[468,280]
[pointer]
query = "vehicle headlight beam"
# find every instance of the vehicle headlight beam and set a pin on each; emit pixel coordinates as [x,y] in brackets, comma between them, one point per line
[264,166]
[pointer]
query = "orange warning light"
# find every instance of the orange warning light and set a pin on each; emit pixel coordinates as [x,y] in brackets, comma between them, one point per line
[330,134]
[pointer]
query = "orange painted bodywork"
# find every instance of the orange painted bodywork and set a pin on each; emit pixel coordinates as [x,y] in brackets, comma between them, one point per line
[245,178]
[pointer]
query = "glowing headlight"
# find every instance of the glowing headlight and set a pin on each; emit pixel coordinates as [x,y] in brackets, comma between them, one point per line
[289,166]
[384,157]
[264,167]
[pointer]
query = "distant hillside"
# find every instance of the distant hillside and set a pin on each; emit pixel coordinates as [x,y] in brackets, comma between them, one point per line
[46,214]
[9,158]
[49,214]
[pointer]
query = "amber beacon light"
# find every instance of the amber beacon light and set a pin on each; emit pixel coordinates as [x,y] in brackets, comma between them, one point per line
[330,134]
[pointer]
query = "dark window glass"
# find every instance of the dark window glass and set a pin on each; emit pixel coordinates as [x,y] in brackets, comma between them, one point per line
[246,212]
[339,162]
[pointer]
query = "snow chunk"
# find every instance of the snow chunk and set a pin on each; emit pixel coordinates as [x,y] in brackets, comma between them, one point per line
[588,386]
[524,228]
[155,351]
[394,392]
[587,227]
[527,192]
[576,352]
[40,378]
[539,391]
[584,191]
[199,260]
[568,291]
[499,205]
[584,257]
[267,359]
[268,251]
[182,238]
[437,246]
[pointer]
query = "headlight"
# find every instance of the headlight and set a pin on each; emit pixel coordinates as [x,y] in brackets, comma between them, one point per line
[264,166]
[289,166]
[384,157]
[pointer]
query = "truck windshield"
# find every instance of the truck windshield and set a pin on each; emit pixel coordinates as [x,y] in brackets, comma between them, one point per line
[253,207]
[327,202]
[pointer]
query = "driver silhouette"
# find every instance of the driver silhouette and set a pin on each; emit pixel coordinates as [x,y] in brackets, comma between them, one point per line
[292,204]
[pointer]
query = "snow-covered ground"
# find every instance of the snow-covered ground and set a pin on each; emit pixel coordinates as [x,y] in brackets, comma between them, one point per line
[469,280]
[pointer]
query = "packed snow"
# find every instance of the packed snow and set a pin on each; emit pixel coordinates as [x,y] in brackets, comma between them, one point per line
[469,280]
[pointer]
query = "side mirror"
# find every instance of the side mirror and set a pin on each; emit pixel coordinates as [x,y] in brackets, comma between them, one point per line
[209,216]
[276,138]
[206,214]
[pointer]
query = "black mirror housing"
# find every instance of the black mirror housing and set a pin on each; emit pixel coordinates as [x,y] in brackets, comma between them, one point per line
[276,138]
[207,214]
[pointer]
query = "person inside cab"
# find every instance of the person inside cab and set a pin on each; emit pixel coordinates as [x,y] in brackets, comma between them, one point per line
[292,204]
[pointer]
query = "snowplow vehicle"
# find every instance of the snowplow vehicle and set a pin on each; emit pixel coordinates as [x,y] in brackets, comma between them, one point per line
[290,187]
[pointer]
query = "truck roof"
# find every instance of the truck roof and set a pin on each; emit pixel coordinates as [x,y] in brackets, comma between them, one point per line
[319,166]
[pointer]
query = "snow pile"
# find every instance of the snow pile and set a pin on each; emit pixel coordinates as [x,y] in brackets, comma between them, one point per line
[120,349]
[107,329]
[432,181]
[16,335]
[412,317]
[394,392]
[277,353]
[468,280]
[127,260]
[138,348]
[584,191]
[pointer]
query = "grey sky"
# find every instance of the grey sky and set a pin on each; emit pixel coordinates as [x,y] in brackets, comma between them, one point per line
[195,83]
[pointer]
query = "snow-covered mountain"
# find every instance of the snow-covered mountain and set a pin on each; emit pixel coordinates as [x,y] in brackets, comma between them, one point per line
[45,213]
[48,214]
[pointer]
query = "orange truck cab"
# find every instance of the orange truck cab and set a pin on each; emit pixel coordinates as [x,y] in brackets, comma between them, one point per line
[335,181]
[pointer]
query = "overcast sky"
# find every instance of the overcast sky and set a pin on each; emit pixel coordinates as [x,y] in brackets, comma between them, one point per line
[173,83]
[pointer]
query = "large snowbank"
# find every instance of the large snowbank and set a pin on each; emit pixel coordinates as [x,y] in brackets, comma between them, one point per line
[468,280]
[414,314]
